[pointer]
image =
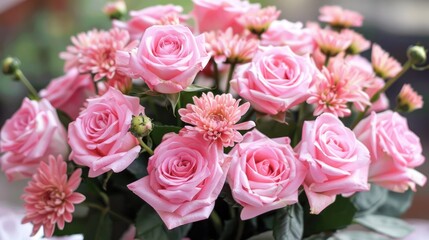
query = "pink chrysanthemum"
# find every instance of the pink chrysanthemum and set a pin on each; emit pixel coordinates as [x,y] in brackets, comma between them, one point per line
[49,198]
[228,47]
[338,17]
[259,20]
[383,64]
[338,85]
[215,117]
[408,99]
[330,42]
[359,43]
[95,52]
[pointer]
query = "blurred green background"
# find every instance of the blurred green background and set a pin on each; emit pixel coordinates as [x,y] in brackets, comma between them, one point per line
[36,31]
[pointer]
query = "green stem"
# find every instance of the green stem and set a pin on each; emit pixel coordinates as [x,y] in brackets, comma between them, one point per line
[240,228]
[376,96]
[230,74]
[299,124]
[217,222]
[145,147]
[327,60]
[21,77]
[215,73]
[109,211]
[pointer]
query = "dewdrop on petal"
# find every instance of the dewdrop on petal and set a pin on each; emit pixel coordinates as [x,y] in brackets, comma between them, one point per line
[409,100]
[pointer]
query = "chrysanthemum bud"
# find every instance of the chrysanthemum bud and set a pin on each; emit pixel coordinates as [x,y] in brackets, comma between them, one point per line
[141,126]
[10,65]
[115,10]
[416,54]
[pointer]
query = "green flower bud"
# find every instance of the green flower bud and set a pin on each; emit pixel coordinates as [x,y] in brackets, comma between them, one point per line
[416,54]
[10,65]
[141,126]
[115,10]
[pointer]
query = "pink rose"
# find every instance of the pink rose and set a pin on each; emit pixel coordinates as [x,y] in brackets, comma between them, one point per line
[219,15]
[338,163]
[99,137]
[147,17]
[168,58]
[395,151]
[264,174]
[276,80]
[32,134]
[68,93]
[285,33]
[185,178]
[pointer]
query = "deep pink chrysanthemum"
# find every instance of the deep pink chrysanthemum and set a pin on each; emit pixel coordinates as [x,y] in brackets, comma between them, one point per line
[259,20]
[338,85]
[408,99]
[215,117]
[49,198]
[383,64]
[225,46]
[338,17]
[95,52]
[330,42]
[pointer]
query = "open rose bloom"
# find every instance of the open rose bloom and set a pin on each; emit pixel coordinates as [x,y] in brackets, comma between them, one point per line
[216,120]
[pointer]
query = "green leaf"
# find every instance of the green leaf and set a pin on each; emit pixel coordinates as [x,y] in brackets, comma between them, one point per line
[229,230]
[273,129]
[139,166]
[174,100]
[64,118]
[98,226]
[368,202]
[389,226]
[150,226]
[336,216]
[289,223]
[357,235]
[196,88]
[268,235]
[396,203]
[160,130]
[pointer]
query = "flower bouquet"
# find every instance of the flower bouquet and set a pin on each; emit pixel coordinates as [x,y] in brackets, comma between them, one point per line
[237,126]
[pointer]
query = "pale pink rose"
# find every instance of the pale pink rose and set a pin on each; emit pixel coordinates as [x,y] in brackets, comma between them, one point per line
[338,163]
[276,80]
[219,15]
[32,134]
[185,178]
[68,93]
[147,17]
[130,234]
[265,174]
[168,58]
[285,33]
[337,16]
[395,151]
[99,137]
[50,196]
